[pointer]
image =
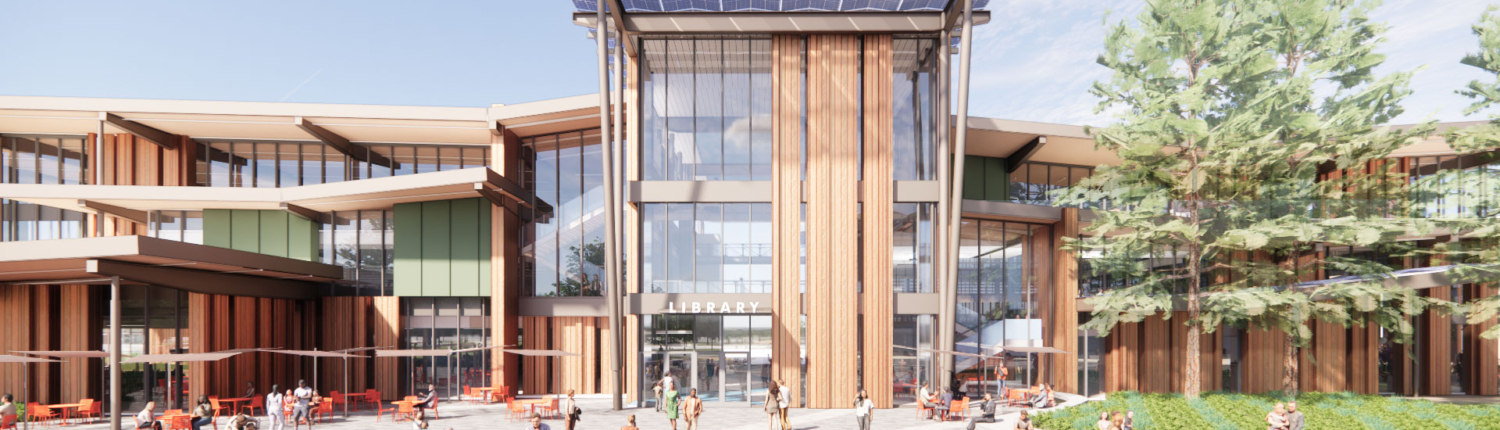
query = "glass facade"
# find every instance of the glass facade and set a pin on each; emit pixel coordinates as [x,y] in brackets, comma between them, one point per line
[290,164]
[445,323]
[914,84]
[726,357]
[562,243]
[1031,182]
[911,335]
[706,109]
[912,242]
[153,320]
[57,160]
[1001,266]
[706,247]
[180,226]
[1455,185]
[363,243]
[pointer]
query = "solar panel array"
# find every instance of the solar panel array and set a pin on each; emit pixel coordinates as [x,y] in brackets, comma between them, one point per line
[777,5]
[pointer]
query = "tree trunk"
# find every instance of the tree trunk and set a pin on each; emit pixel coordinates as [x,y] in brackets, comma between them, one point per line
[1290,378]
[1192,382]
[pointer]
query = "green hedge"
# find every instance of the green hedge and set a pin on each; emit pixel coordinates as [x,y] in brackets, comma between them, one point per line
[1324,411]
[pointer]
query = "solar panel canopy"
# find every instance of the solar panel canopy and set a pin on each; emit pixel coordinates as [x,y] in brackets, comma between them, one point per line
[669,6]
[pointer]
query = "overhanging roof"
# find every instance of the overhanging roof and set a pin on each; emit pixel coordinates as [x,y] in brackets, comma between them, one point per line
[366,194]
[548,116]
[1065,144]
[186,266]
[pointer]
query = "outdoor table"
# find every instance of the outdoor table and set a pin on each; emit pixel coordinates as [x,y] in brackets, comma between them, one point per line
[348,398]
[485,391]
[234,407]
[63,408]
[532,403]
[398,403]
[167,419]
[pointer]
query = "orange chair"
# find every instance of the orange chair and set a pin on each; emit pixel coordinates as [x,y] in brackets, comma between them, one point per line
[256,402]
[324,409]
[405,409]
[551,407]
[179,421]
[957,410]
[88,408]
[517,412]
[381,410]
[8,422]
[468,394]
[922,410]
[372,396]
[338,398]
[35,412]
[433,409]
[502,393]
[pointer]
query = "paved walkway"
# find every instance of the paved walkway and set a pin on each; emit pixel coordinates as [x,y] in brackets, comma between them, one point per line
[596,415]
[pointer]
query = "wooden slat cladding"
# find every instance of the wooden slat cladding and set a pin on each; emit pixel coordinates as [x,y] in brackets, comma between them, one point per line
[879,137]
[1363,364]
[1479,378]
[832,218]
[1062,324]
[80,329]
[536,374]
[1122,358]
[1435,347]
[786,208]
[19,315]
[385,331]
[1156,355]
[1210,355]
[346,324]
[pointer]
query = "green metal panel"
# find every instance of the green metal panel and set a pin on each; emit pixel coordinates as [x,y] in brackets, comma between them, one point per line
[463,230]
[244,231]
[436,251]
[273,233]
[216,227]
[484,247]
[408,248]
[974,171]
[302,239]
[996,180]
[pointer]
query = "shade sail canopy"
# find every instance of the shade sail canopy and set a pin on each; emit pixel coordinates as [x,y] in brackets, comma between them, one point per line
[22,359]
[364,348]
[251,350]
[412,352]
[541,353]
[67,354]
[1035,349]
[482,348]
[324,354]
[174,358]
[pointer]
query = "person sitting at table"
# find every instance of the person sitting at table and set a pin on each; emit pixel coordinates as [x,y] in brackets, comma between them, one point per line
[429,400]
[146,419]
[203,413]
[249,389]
[7,406]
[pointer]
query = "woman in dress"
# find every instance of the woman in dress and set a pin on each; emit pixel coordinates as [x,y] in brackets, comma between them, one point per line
[773,404]
[1103,423]
[671,400]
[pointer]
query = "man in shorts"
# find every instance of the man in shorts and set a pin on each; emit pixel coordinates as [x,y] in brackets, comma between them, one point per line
[303,397]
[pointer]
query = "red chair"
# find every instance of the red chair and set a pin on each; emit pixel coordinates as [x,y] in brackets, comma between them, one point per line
[549,408]
[405,409]
[923,412]
[8,422]
[338,398]
[324,409]
[372,396]
[957,410]
[381,410]
[433,409]
[469,394]
[502,393]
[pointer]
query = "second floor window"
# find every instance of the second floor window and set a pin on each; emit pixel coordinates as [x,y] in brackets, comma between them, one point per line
[290,164]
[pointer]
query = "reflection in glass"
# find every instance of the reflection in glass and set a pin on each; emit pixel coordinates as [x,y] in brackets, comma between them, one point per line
[562,240]
[706,109]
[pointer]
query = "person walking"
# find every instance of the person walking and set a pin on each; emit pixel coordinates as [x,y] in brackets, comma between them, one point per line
[986,412]
[864,410]
[202,414]
[671,406]
[773,405]
[656,390]
[784,401]
[692,407]
[571,413]
[631,426]
[303,398]
[275,409]
[1294,418]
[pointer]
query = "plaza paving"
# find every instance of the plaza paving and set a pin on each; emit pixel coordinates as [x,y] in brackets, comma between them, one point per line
[597,415]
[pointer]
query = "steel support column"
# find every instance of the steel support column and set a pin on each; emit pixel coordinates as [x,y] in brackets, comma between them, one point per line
[943,124]
[114,353]
[960,142]
[610,252]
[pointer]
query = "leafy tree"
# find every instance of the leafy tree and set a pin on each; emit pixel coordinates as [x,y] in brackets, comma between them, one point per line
[1230,117]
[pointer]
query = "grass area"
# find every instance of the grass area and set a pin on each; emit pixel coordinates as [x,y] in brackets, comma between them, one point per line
[1324,411]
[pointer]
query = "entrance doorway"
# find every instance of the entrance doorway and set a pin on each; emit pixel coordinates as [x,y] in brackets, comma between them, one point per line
[734,381]
[680,366]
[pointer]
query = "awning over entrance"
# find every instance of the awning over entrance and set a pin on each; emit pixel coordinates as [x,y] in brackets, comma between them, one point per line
[146,260]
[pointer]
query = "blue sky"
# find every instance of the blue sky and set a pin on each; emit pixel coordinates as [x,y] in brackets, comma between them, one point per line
[1035,61]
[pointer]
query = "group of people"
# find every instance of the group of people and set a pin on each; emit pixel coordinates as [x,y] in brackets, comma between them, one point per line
[1114,420]
[1285,417]
[302,401]
[669,400]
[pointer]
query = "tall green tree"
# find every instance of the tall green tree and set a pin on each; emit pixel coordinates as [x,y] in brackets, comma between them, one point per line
[1230,118]
[1464,198]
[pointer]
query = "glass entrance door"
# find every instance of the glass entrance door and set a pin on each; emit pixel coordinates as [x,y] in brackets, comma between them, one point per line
[681,365]
[735,379]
